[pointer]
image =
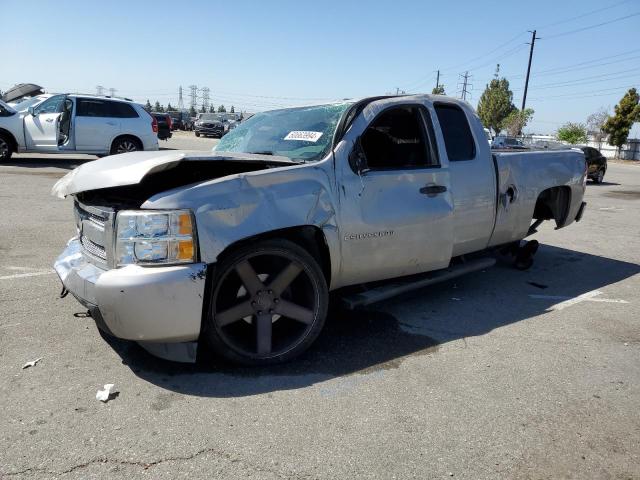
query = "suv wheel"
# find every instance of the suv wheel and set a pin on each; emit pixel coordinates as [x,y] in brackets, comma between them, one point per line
[5,149]
[124,145]
[268,304]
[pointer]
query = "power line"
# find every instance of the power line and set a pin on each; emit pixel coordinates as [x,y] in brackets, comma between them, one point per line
[604,76]
[548,37]
[579,66]
[583,15]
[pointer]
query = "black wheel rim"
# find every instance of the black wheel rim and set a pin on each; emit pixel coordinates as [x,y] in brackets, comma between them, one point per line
[264,305]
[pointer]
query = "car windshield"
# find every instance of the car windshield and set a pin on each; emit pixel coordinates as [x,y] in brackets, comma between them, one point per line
[302,134]
[28,102]
[209,117]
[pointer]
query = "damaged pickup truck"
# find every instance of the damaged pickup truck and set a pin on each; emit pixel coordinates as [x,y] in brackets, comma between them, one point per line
[238,248]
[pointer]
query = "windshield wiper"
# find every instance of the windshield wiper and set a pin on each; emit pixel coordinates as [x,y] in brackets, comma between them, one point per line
[266,152]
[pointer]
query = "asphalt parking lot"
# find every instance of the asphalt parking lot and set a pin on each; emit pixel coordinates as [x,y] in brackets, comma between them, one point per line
[499,374]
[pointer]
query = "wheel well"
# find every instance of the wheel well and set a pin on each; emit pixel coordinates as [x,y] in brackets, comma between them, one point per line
[9,136]
[132,137]
[308,237]
[553,204]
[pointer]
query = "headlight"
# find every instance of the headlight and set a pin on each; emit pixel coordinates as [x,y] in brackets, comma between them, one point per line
[155,237]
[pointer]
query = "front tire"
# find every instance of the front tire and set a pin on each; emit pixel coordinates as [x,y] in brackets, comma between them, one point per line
[6,150]
[269,302]
[197,134]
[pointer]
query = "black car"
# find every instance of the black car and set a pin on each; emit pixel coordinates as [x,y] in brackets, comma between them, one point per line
[164,125]
[209,124]
[596,163]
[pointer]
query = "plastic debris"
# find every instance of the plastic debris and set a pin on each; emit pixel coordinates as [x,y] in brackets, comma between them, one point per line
[107,394]
[455,298]
[32,363]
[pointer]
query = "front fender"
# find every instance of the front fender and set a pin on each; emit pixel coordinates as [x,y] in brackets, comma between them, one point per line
[241,206]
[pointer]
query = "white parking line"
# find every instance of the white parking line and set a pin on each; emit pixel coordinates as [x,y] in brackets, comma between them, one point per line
[569,301]
[30,274]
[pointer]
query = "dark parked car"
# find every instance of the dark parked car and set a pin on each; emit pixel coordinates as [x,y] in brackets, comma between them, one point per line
[180,121]
[596,162]
[210,124]
[164,125]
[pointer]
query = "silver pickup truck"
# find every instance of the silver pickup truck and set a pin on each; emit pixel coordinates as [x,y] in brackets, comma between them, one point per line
[238,248]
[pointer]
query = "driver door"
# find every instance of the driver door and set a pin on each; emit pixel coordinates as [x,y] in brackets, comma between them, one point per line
[396,211]
[41,125]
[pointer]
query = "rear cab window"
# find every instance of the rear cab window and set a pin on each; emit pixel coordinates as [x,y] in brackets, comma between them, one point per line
[458,139]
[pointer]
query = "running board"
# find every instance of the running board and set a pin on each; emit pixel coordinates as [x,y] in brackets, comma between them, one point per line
[397,287]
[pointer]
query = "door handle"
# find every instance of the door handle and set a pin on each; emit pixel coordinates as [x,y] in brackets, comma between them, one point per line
[111,123]
[49,120]
[433,189]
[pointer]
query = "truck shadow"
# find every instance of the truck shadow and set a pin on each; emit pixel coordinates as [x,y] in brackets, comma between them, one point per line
[371,341]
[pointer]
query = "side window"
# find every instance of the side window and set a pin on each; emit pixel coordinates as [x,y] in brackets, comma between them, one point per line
[455,130]
[88,107]
[397,139]
[51,105]
[121,110]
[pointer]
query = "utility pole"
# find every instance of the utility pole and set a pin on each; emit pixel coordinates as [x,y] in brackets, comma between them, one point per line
[99,90]
[438,80]
[180,99]
[205,97]
[193,94]
[465,85]
[526,82]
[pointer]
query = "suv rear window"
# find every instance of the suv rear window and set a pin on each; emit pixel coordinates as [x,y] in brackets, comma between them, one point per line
[89,107]
[455,130]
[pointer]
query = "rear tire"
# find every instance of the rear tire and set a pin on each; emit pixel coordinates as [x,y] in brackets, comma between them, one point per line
[125,145]
[6,148]
[197,134]
[269,302]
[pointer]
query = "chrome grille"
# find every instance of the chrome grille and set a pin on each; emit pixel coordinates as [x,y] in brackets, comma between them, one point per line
[95,227]
[93,248]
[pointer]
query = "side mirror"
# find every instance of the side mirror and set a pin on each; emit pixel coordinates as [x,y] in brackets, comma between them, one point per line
[357,158]
[32,111]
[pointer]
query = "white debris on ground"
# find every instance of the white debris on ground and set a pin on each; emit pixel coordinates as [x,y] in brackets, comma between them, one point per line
[32,363]
[105,395]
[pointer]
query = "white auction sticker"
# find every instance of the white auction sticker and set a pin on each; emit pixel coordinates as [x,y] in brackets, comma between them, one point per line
[303,135]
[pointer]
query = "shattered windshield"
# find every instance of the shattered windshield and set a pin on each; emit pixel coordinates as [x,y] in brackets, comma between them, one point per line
[302,134]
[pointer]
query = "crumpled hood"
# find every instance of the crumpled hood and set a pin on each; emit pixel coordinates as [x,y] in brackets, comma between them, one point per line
[131,168]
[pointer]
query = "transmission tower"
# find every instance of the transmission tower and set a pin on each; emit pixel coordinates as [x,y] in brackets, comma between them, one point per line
[205,97]
[465,86]
[180,99]
[112,92]
[99,90]
[193,95]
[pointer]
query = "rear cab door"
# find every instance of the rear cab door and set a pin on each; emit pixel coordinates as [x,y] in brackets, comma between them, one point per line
[396,211]
[96,126]
[41,129]
[472,175]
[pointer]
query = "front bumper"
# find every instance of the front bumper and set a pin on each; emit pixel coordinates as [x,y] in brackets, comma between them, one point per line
[210,131]
[145,304]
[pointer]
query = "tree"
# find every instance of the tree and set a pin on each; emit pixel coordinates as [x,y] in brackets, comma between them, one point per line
[203,109]
[439,90]
[212,109]
[233,109]
[627,112]
[572,133]
[147,106]
[170,108]
[221,109]
[192,111]
[157,107]
[496,103]
[595,122]
[517,120]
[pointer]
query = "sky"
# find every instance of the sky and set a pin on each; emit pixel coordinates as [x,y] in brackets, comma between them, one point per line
[261,55]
